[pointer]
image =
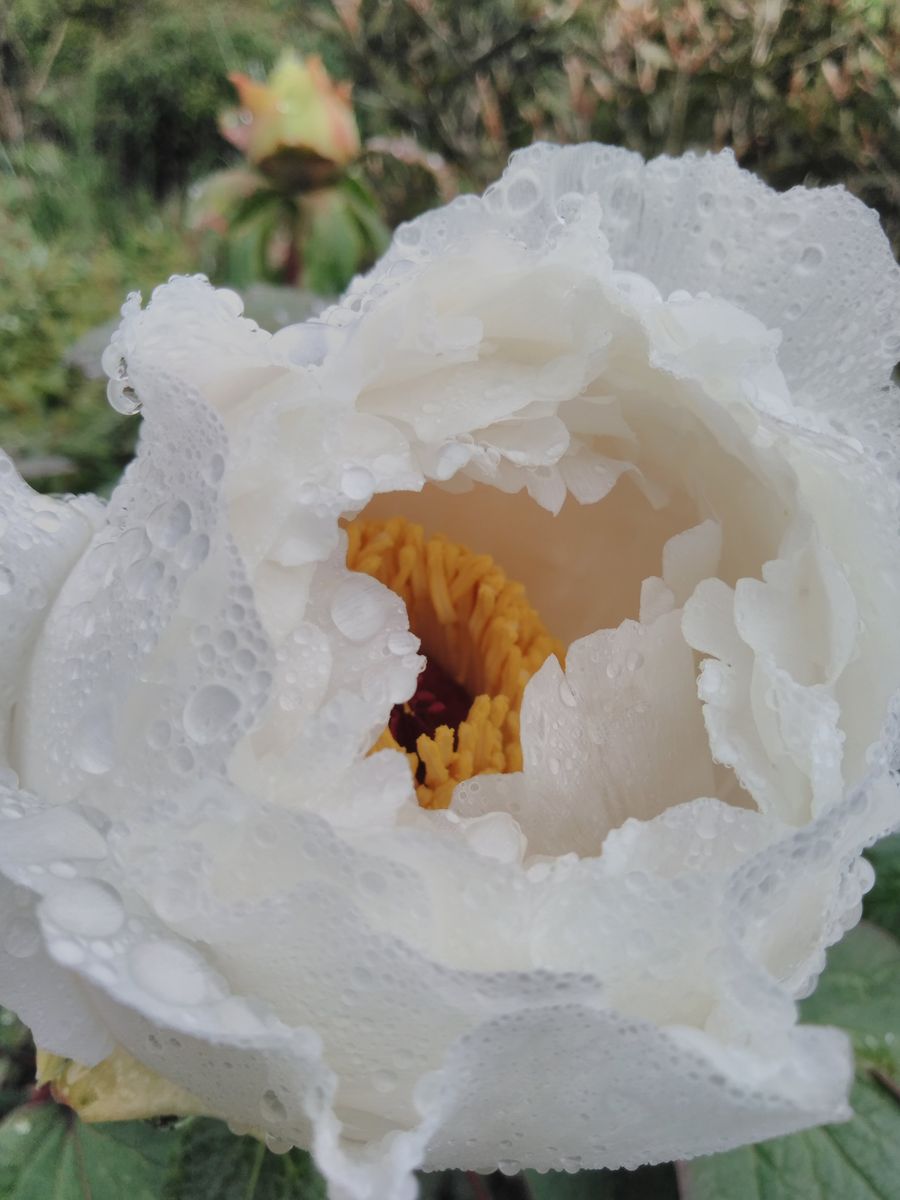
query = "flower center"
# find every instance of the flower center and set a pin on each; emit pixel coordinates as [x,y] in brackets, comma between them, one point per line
[483,642]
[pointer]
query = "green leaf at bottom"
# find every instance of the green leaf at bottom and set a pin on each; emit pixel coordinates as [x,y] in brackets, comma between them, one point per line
[856,1161]
[859,1160]
[214,1164]
[46,1153]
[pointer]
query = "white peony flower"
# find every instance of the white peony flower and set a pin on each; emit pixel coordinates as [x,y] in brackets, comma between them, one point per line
[657,395]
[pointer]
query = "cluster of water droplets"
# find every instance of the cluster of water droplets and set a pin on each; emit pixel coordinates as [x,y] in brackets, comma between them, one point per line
[157,666]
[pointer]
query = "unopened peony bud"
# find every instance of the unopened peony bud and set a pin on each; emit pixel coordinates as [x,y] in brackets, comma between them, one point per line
[299,127]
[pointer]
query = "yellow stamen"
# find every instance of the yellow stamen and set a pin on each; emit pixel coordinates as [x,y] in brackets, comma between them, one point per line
[480,629]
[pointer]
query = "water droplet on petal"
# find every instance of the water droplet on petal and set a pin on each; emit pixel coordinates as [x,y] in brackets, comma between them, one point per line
[508,1166]
[86,907]
[122,397]
[278,1145]
[209,712]
[358,483]
[360,608]
[402,642]
[271,1107]
[169,972]
[22,937]
[94,746]
[169,523]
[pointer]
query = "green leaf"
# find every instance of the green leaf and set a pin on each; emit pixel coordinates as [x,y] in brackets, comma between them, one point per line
[214,1164]
[860,992]
[364,207]
[332,246]
[16,1062]
[856,1161]
[585,1185]
[449,1185]
[646,1183]
[250,207]
[860,1160]
[882,905]
[13,1033]
[46,1153]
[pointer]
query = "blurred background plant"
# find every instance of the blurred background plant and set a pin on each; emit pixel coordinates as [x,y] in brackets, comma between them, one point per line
[111,119]
[296,213]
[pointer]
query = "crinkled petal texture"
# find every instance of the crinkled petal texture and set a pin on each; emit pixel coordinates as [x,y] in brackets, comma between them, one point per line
[658,394]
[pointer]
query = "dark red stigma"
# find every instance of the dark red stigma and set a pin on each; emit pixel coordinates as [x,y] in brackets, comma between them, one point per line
[437,700]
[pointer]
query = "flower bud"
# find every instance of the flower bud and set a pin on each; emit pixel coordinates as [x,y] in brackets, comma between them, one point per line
[298,128]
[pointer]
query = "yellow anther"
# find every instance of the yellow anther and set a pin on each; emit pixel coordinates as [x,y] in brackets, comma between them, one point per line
[478,626]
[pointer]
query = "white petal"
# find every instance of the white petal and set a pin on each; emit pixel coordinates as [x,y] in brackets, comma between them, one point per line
[618,734]
[270,920]
[573,1087]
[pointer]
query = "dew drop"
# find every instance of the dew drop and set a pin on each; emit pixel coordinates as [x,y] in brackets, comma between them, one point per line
[783,224]
[524,193]
[271,1107]
[22,937]
[62,869]
[508,1166]
[402,642]
[569,206]
[94,746]
[122,397]
[169,973]
[66,952]
[209,712]
[169,523]
[87,908]
[215,468]
[451,458]
[810,260]
[278,1145]
[142,578]
[360,608]
[7,579]
[357,483]
[47,520]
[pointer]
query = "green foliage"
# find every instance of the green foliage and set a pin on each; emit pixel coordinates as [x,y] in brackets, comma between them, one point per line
[212,1162]
[802,92]
[16,1061]
[856,1161]
[46,1153]
[882,905]
[315,240]
[52,293]
[860,992]
[157,93]
[647,1183]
